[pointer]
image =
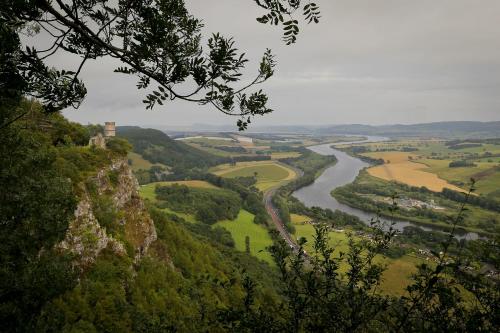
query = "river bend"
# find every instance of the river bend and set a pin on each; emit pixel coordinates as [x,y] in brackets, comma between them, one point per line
[342,173]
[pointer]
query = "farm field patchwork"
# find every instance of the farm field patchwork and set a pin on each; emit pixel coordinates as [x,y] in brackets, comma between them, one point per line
[399,167]
[486,174]
[244,226]
[269,173]
[436,155]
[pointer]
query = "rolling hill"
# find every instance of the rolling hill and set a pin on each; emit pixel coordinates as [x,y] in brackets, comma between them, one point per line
[157,147]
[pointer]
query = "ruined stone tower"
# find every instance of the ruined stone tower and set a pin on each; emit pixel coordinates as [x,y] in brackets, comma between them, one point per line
[109,129]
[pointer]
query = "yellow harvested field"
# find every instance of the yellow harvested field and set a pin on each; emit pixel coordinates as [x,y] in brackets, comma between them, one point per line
[400,168]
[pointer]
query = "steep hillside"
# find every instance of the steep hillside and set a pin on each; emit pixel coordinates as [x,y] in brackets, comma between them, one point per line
[136,276]
[157,147]
[81,252]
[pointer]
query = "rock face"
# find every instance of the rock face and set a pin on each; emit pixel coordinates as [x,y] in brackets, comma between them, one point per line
[98,141]
[86,237]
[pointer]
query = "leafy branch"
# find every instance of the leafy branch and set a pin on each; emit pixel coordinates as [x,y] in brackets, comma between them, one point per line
[157,41]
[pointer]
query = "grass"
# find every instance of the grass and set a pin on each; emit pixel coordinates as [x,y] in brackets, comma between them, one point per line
[138,162]
[400,168]
[338,240]
[269,173]
[396,276]
[148,192]
[435,157]
[212,145]
[244,226]
[299,219]
[486,176]
[188,217]
[239,228]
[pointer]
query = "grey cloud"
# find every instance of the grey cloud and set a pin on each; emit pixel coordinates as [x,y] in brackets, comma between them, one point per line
[368,61]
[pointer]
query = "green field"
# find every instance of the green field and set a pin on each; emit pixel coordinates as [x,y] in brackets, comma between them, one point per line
[299,219]
[395,278]
[486,176]
[338,240]
[244,226]
[212,144]
[269,173]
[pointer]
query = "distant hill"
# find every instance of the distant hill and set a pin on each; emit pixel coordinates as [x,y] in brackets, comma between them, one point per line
[157,147]
[445,129]
[451,129]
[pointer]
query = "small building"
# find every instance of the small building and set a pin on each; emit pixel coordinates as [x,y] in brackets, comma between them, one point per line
[109,129]
[98,141]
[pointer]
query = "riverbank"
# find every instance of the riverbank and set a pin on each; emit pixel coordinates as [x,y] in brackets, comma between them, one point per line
[343,173]
[359,203]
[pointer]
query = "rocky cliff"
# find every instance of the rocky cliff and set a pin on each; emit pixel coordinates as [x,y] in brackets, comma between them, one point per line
[110,215]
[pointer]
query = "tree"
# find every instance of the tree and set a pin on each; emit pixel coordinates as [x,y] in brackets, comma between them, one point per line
[247,244]
[158,41]
[36,205]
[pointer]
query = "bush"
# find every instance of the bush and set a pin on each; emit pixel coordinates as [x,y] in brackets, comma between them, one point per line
[463,163]
[118,145]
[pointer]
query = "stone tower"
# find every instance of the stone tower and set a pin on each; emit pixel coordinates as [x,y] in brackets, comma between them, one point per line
[109,129]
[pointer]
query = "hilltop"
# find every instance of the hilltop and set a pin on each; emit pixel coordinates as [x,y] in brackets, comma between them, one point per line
[445,129]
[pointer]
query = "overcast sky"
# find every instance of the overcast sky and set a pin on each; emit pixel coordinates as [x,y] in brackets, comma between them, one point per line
[368,61]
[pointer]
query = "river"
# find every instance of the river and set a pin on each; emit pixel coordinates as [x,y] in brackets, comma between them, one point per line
[342,173]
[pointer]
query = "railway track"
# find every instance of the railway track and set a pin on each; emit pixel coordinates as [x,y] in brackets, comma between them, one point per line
[278,223]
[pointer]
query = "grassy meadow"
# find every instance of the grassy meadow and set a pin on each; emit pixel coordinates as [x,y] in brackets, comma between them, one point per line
[487,176]
[244,226]
[398,271]
[269,173]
